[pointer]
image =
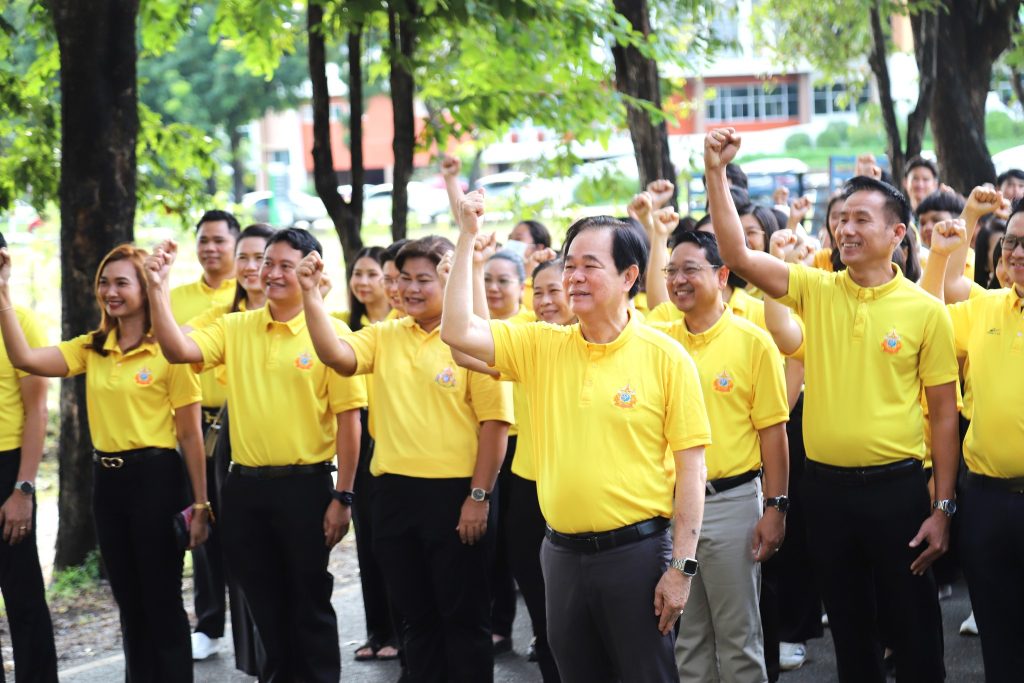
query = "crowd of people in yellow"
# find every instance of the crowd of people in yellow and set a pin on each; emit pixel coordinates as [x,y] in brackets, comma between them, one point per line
[685,441]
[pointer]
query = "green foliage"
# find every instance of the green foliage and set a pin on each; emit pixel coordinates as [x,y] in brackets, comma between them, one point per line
[828,138]
[71,582]
[999,125]
[798,141]
[607,188]
[263,31]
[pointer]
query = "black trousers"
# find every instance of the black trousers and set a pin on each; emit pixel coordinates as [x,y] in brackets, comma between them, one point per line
[858,537]
[134,507]
[21,581]
[439,584]
[524,537]
[382,620]
[503,585]
[991,523]
[248,648]
[274,545]
[208,559]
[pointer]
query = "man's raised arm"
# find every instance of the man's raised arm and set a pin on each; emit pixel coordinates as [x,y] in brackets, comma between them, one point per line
[758,268]
[461,329]
[175,344]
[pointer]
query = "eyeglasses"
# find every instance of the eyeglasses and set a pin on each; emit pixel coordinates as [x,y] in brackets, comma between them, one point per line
[689,271]
[1010,243]
[501,281]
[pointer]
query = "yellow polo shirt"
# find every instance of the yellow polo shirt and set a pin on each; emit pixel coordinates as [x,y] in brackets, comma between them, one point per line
[194,299]
[744,389]
[283,399]
[989,331]
[740,303]
[12,409]
[868,353]
[427,410]
[604,418]
[823,260]
[131,397]
[968,265]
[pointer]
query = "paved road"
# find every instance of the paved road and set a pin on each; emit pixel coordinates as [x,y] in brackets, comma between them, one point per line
[963,655]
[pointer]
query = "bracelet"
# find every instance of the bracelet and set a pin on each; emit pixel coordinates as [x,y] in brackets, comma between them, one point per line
[9,308]
[205,506]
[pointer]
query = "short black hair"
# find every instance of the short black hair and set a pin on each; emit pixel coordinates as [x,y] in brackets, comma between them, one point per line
[895,201]
[297,238]
[217,215]
[950,202]
[921,162]
[539,232]
[705,241]
[3,242]
[1014,173]
[628,247]
[545,265]
[264,230]
[1015,208]
[391,252]
[704,220]
[431,247]
[736,176]
[910,264]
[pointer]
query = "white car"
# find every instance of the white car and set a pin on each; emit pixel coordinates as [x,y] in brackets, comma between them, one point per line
[530,190]
[297,206]
[426,203]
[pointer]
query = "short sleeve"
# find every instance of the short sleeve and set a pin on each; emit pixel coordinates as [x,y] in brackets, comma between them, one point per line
[802,349]
[960,318]
[770,404]
[799,282]
[34,334]
[491,398]
[938,353]
[183,386]
[686,417]
[212,342]
[343,316]
[76,354]
[345,393]
[364,345]
[513,348]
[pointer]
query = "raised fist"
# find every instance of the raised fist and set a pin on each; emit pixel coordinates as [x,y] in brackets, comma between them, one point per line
[537,257]
[450,166]
[983,201]
[948,236]
[157,265]
[780,197]
[660,191]
[484,247]
[444,267]
[640,209]
[310,271]
[798,210]
[782,243]
[665,221]
[866,166]
[471,211]
[720,147]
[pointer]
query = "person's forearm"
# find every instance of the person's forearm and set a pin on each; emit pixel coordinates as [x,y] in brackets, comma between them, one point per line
[688,511]
[350,429]
[329,349]
[18,350]
[794,381]
[190,436]
[454,190]
[657,287]
[480,309]
[775,460]
[457,314]
[34,430]
[728,228]
[942,414]
[490,454]
[782,327]
[172,340]
[933,277]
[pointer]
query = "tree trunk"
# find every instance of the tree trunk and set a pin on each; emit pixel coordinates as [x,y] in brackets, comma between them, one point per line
[237,163]
[971,35]
[925,27]
[880,68]
[346,219]
[636,76]
[402,45]
[99,126]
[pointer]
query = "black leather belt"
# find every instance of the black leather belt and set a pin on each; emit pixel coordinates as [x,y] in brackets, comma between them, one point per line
[278,471]
[606,540]
[983,481]
[725,483]
[862,475]
[117,460]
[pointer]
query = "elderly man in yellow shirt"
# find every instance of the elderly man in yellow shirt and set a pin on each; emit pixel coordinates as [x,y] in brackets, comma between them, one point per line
[619,435]
[989,332]
[290,415]
[874,339]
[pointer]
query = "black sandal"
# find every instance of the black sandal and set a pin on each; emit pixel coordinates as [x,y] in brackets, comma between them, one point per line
[368,645]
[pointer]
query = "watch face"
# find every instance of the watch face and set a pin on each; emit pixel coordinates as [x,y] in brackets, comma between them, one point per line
[479,495]
[690,567]
[26,487]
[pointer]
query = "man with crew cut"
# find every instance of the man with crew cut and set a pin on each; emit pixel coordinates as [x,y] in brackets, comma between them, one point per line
[873,340]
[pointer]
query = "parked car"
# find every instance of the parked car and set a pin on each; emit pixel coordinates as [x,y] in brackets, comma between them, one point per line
[296,207]
[426,203]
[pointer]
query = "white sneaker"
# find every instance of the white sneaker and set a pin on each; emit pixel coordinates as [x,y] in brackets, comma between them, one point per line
[824,618]
[792,656]
[969,627]
[945,591]
[204,646]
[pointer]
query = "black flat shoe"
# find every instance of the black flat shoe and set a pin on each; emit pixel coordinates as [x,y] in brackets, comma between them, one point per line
[502,646]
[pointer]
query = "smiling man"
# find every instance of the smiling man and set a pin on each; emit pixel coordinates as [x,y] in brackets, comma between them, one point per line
[873,340]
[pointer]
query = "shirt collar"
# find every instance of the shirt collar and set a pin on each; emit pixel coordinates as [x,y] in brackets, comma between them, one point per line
[227,284]
[409,322]
[110,345]
[625,335]
[705,337]
[871,293]
[294,326]
[1014,300]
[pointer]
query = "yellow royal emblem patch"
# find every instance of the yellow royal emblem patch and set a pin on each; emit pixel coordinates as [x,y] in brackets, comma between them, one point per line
[304,361]
[891,343]
[625,397]
[723,382]
[446,378]
[144,377]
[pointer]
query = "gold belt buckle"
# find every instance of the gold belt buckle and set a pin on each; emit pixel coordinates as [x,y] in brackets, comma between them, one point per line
[113,463]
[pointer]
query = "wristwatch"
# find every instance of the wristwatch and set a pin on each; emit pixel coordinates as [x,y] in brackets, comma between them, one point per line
[479,495]
[780,503]
[687,565]
[26,487]
[947,506]
[346,498]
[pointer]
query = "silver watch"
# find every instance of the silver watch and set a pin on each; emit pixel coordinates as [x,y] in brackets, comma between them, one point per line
[947,506]
[687,565]
[26,487]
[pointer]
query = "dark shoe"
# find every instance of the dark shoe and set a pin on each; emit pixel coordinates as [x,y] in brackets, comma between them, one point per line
[531,652]
[502,646]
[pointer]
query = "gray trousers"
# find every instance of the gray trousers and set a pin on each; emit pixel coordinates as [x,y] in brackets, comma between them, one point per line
[601,622]
[720,635]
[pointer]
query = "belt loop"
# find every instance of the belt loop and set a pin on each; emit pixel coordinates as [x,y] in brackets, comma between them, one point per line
[710,487]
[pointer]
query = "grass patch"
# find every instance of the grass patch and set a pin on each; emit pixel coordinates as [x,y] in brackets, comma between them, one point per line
[72,582]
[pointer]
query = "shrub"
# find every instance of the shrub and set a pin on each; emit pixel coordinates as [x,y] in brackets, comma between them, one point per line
[797,142]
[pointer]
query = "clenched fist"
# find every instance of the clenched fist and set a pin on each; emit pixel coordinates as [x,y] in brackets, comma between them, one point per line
[948,236]
[720,147]
[157,265]
[310,271]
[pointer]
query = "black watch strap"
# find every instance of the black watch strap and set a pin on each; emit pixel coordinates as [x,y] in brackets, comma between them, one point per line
[346,498]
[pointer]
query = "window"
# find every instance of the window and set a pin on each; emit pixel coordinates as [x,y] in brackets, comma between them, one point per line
[834,99]
[280,156]
[752,102]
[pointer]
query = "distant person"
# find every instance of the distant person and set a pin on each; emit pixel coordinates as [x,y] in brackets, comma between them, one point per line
[1011,184]
[920,179]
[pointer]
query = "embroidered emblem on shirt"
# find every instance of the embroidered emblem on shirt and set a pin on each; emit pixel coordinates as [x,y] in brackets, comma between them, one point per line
[304,361]
[723,382]
[144,377]
[995,330]
[891,343]
[625,397]
[446,378]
